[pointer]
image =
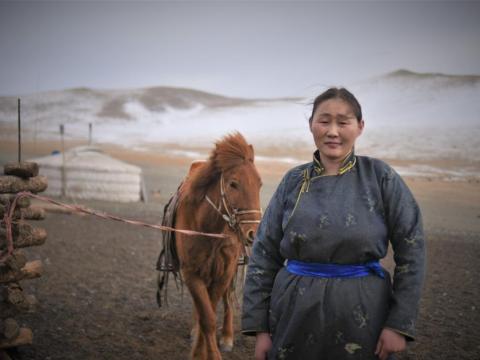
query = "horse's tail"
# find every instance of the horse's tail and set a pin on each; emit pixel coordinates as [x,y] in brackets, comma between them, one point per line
[161,277]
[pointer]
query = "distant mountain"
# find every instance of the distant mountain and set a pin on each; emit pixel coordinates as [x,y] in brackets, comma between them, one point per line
[458,80]
[93,105]
[422,99]
[111,103]
[405,78]
[159,99]
[407,115]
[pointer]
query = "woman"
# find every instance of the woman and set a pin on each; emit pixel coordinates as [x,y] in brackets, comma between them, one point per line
[314,288]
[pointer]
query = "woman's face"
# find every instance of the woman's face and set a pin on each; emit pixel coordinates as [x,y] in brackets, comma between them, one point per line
[335,129]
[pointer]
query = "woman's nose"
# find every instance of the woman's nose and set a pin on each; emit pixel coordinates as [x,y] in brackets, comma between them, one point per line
[332,131]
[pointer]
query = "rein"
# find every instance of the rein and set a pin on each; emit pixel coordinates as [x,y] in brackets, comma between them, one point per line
[231,216]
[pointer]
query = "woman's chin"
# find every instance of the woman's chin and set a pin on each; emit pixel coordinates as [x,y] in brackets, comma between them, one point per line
[333,155]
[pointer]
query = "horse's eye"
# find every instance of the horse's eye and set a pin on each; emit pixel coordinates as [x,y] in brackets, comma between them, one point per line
[234,184]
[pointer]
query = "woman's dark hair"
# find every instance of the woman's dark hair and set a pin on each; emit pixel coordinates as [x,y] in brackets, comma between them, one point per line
[338,93]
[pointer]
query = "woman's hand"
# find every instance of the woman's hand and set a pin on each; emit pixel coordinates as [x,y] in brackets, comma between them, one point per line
[389,342]
[262,345]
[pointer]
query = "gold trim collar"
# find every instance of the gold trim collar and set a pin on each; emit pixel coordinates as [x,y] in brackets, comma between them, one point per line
[347,163]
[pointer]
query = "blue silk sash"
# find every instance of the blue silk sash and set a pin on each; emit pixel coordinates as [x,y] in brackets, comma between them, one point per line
[334,270]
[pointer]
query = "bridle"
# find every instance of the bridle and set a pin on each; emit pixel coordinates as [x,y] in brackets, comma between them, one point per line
[231,215]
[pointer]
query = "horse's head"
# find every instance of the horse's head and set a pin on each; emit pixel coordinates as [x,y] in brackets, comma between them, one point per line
[230,183]
[241,192]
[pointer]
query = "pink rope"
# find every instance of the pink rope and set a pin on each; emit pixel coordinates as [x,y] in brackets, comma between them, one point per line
[81,209]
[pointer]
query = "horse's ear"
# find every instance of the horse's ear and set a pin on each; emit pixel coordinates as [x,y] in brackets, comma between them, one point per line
[195,165]
[253,152]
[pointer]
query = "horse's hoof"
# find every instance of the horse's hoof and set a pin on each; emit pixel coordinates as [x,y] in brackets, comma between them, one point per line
[226,345]
[192,339]
[226,348]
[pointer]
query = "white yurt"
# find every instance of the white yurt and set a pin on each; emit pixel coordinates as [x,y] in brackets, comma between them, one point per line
[85,172]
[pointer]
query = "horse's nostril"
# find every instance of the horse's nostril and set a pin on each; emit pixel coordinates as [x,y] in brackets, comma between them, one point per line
[250,235]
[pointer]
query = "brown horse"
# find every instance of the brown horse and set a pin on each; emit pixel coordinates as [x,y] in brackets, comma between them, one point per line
[220,195]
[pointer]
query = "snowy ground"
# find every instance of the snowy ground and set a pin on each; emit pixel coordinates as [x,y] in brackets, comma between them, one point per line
[424,120]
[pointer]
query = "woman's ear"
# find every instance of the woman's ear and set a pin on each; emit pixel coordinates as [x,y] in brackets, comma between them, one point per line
[361,126]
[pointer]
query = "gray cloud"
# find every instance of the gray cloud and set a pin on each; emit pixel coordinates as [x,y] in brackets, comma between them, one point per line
[235,48]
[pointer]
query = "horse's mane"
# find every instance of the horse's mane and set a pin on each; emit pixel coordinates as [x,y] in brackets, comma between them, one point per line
[231,151]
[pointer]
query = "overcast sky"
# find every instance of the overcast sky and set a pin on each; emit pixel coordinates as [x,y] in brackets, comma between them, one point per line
[236,48]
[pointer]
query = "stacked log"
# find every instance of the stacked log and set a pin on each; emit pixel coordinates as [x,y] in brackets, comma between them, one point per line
[16,267]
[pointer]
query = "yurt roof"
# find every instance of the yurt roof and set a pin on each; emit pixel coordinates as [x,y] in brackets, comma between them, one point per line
[88,158]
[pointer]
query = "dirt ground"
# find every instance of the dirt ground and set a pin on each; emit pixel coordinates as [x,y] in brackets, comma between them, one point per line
[96,299]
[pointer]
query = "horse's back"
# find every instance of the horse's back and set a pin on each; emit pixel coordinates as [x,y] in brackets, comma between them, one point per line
[168,258]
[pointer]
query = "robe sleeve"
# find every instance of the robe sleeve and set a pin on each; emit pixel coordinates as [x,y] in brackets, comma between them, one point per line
[263,266]
[406,235]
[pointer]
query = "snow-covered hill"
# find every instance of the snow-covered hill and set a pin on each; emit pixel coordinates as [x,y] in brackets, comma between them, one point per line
[408,116]
[411,115]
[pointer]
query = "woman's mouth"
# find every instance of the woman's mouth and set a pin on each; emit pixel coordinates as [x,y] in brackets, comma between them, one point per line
[333,144]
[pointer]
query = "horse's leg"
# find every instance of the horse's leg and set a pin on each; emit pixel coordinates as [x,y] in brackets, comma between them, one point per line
[205,346]
[226,341]
[222,289]
[194,331]
[199,346]
[216,292]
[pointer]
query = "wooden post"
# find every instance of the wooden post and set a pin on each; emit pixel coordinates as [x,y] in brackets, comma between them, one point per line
[19,134]
[35,125]
[14,184]
[31,270]
[89,134]
[64,179]
[25,337]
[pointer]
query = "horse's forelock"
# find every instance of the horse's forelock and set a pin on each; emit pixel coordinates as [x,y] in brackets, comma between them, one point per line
[231,151]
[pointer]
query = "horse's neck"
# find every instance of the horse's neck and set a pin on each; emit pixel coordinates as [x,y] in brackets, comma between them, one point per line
[211,215]
[206,217]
